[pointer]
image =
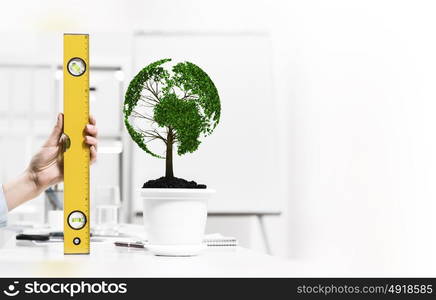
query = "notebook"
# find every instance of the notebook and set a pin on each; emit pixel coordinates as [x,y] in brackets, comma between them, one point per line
[218,240]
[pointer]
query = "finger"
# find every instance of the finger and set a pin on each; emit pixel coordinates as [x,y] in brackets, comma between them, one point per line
[55,135]
[64,144]
[91,130]
[91,141]
[92,120]
[93,154]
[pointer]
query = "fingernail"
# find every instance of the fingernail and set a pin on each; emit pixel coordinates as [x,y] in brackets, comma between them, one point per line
[89,126]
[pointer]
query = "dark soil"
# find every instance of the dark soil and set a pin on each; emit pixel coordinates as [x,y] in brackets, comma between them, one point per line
[172,183]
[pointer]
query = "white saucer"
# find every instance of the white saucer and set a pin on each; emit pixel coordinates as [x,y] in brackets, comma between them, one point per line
[176,250]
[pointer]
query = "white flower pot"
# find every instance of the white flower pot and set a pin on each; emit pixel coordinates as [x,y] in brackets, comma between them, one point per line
[175,220]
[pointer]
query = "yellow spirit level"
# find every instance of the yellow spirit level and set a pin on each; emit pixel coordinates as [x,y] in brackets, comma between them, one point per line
[76,156]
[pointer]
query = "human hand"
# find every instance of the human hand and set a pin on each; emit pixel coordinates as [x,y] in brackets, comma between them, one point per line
[46,167]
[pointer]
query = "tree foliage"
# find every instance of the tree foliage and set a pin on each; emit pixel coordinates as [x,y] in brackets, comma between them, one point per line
[175,105]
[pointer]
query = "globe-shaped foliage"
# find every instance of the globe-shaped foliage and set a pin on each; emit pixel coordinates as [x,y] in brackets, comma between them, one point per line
[177,104]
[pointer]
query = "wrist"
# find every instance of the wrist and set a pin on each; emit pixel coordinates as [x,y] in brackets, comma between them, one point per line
[21,189]
[30,178]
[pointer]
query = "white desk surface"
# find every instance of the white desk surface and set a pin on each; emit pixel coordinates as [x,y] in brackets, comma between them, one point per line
[27,259]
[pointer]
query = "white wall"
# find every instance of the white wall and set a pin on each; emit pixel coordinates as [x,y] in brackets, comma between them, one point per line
[361,78]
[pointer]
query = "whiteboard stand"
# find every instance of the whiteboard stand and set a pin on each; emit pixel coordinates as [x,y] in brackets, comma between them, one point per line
[260,215]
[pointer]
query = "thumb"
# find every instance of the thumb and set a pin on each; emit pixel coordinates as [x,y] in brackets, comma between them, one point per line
[53,139]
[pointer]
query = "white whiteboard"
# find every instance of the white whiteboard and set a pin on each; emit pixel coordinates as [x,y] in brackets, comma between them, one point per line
[239,160]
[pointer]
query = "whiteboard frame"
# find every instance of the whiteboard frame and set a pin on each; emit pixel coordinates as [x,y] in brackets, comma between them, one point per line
[272,211]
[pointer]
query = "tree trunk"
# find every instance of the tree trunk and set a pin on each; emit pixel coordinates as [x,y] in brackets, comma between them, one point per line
[169,156]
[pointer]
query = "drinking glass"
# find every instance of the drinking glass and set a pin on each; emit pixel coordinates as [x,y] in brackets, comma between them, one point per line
[107,210]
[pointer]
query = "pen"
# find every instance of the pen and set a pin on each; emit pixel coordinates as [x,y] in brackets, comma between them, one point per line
[130,244]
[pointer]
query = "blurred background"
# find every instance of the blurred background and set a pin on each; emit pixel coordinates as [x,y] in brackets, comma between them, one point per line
[325,150]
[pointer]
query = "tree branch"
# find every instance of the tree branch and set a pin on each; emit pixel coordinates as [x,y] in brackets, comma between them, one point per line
[151,139]
[189,96]
[152,134]
[151,90]
[139,115]
[155,131]
[145,98]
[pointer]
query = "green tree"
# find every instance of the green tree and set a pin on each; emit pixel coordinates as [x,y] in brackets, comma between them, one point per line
[175,106]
